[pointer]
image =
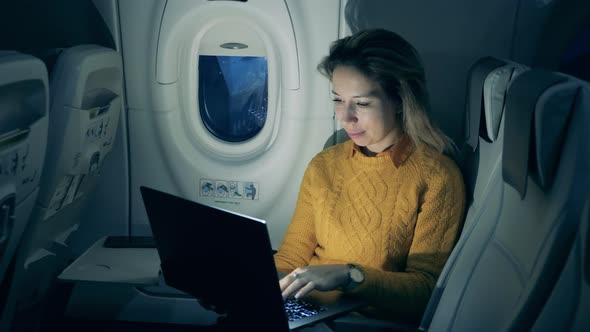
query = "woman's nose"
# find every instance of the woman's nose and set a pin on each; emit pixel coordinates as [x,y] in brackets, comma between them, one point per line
[348,114]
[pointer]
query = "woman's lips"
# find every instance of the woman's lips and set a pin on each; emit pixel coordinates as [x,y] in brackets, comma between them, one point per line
[355,134]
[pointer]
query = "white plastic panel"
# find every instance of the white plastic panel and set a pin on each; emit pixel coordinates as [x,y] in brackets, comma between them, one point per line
[191,29]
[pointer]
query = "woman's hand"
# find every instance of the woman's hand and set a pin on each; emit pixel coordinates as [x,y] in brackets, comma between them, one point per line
[303,280]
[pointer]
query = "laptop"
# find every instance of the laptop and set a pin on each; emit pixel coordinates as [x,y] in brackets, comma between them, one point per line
[226,258]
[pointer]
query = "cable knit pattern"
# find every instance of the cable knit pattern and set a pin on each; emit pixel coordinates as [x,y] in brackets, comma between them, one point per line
[397,215]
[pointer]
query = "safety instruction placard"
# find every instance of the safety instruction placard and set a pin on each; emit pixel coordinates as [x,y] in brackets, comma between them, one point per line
[229,189]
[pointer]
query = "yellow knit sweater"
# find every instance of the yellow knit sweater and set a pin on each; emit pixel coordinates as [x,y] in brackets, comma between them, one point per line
[397,215]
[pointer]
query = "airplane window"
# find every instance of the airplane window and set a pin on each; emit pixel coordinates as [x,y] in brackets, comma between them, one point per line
[233,95]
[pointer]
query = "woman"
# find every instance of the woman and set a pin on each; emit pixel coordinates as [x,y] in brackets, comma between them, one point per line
[378,215]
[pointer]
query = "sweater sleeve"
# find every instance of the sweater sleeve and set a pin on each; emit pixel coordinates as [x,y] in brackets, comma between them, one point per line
[404,295]
[299,242]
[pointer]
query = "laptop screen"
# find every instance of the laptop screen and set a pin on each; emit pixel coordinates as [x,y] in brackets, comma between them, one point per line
[217,255]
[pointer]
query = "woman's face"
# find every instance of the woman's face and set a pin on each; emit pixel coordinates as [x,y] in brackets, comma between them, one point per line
[364,110]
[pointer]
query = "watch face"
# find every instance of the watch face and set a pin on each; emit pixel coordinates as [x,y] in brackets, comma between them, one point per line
[356,275]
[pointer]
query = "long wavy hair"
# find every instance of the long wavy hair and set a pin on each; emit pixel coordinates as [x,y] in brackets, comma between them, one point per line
[388,59]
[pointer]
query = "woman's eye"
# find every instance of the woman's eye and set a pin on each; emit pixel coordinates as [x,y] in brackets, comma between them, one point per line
[362,104]
[336,100]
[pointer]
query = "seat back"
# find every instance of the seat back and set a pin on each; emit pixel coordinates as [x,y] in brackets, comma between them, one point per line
[511,260]
[24,104]
[558,163]
[480,161]
[86,87]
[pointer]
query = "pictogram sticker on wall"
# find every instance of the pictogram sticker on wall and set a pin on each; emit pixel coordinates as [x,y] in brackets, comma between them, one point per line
[221,189]
[236,189]
[229,189]
[251,190]
[207,188]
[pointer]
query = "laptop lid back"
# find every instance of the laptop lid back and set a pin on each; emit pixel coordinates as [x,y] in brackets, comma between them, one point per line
[219,256]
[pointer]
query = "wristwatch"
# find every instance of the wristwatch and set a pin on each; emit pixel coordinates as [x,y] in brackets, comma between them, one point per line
[356,276]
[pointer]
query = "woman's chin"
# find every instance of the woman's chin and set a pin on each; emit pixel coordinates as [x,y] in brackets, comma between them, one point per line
[358,140]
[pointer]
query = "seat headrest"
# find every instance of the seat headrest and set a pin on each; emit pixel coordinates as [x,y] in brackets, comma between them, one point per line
[554,109]
[81,69]
[539,106]
[494,98]
[474,106]
[488,79]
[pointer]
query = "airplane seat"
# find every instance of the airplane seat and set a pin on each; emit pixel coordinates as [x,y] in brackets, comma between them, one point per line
[504,273]
[567,306]
[488,80]
[86,88]
[24,103]
[479,159]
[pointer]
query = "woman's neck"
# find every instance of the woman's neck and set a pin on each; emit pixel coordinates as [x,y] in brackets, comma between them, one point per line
[370,153]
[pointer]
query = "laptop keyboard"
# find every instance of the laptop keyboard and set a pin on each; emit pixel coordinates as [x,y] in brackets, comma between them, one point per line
[297,309]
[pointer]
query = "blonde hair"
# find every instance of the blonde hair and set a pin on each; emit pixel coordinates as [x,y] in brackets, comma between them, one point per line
[396,66]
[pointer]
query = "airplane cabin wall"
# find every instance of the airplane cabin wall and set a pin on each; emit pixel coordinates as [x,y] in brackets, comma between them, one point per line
[167,148]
